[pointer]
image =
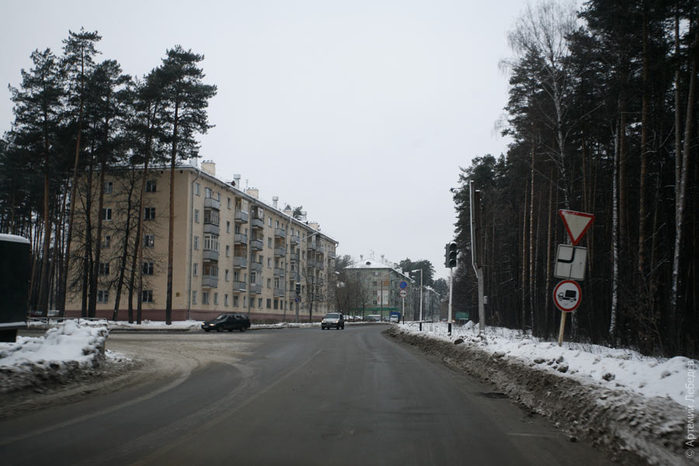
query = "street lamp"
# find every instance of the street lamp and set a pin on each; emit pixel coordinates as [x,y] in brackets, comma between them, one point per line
[419,270]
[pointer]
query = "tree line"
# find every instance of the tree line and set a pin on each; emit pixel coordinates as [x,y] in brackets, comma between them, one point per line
[77,120]
[602,117]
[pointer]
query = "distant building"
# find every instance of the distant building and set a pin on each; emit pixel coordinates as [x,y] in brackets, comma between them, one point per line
[233,252]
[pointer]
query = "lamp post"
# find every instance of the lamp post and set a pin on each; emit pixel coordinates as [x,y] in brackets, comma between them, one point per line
[419,270]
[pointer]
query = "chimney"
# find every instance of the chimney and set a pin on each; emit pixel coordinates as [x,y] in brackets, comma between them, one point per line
[209,167]
[236,180]
[275,200]
[288,211]
[253,192]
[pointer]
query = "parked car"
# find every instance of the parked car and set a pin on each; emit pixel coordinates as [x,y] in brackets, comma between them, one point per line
[333,319]
[228,322]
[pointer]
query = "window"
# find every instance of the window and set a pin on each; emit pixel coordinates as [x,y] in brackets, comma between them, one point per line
[228,227]
[151,187]
[252,303]
[106,242]
[207,193]
[227,275]
[149,213]
[269,303]
[194,297]
[108,187]
[216,299]
[229,202]
[210,269]
[104,268]
[147,296]
[259,303]
[269,283]
[253,277]
[102,296]
[147,268]
[225,300]
[228,250]
[269,242]
[196,189]
[269,262]
[107,214]
[196,243]
[235,301]
[211,242]
[276,304]
[195,269]
[205,297]
[276,283]
[196,215]
[148,241]
[211,216]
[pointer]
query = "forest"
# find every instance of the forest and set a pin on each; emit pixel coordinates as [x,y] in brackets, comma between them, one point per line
[75,119]
[602,117]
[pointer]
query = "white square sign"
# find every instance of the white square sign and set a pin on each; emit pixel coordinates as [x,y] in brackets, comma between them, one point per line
[570,262]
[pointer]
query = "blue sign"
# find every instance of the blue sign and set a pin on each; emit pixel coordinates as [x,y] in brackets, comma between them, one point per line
[403,285]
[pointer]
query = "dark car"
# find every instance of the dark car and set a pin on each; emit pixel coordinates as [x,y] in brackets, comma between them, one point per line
[228,322]
[333,319]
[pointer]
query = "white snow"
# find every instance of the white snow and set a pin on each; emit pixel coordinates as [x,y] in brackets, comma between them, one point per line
[592,364]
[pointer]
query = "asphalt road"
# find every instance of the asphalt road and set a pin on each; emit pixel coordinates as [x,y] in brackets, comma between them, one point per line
[292,396]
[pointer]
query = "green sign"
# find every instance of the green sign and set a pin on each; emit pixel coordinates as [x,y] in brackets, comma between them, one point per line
[461,316]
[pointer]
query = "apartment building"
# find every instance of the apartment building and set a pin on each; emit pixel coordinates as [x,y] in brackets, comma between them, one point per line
[232,253]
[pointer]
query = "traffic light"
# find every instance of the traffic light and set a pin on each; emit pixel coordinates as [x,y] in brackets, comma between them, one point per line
[452,252]
[298,289]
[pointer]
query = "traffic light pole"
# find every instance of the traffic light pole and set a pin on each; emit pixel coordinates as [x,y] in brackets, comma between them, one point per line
[451,292]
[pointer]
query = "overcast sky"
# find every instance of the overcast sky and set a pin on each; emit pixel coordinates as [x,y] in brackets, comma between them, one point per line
[360,111]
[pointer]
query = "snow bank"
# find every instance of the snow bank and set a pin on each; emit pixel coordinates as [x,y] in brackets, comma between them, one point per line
[64,350]
[592,364]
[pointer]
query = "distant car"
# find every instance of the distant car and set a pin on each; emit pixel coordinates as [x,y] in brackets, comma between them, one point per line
[228,322]
[373,318]
[333,319]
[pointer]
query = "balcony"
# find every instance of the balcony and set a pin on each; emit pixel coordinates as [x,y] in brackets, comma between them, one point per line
[256,245]
[255,267]
[295,239]
[331,254]
[279,272]
[239,287]
[241,216]
[312,247]
[311,263]
[211,228]
[209,281]
[212,203]
[210,255]
[240,238]
[279,233]
[279,252]
[257,223]
[240,262]
[255,288]
[279,292]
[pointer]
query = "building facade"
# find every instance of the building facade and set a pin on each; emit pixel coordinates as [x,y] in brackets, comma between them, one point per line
[232,253]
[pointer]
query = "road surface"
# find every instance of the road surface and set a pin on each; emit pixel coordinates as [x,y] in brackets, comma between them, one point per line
[291,396]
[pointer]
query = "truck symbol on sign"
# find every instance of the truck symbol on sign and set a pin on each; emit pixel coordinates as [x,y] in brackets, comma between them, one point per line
[570,295]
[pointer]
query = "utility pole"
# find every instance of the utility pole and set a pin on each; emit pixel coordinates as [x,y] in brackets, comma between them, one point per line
[476,253]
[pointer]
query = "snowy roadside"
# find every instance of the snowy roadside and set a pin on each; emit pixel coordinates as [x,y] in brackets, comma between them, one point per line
[614,397]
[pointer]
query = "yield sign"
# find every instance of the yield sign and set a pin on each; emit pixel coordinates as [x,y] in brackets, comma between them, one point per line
[577,223]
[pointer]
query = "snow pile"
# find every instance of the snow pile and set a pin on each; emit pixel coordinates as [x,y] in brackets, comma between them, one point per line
[69,348]
[599,365]
[631,404]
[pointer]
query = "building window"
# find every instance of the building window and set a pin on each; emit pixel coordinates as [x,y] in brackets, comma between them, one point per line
[194,297]
[106,242]
[269,303]
[108,187]
[107,213]
[149,213]
[227,275]
[229,202]
[211,242]
[102,296]
[252,303]
[216,299]
[195,269]
[104,268]
[205,297]
[235,301]
[147,296]
[225,300]
[210,269]
[207,193]
[196,215]
[269,242]
[147,268]
[259,303]
[196,243]
[253,277]
[228,227]
[269,283]
[228,250]
[211,217]
[196,188]
[148,241]
[151,186]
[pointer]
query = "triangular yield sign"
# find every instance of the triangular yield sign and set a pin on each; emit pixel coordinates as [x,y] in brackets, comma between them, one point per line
[576,223]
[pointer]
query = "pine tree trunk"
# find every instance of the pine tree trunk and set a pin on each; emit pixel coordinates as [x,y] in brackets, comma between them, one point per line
[171,223]
[644,155]
[524,261]
[615,239]
[531,242]
[549,258]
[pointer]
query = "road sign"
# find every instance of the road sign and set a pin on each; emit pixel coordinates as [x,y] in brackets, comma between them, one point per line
[567,295]
[570,262]
[403,293]
[403,284]
[576,223]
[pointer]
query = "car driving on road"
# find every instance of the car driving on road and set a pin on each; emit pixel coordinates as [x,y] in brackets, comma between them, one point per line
[333,320]
[228,322]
